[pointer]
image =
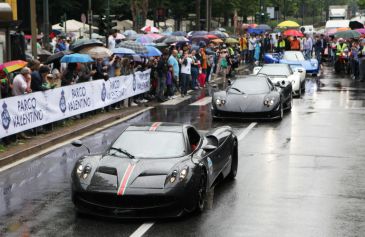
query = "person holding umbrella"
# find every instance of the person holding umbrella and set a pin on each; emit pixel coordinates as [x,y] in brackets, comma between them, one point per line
[295,44]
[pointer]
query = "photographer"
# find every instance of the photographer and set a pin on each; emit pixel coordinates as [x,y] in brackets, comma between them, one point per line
[185,62]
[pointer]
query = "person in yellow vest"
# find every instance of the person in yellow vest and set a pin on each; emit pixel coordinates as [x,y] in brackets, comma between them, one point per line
[340,47]
[281,44]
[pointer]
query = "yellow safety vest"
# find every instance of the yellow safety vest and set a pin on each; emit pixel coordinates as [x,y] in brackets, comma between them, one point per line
[340,49]
[282,44]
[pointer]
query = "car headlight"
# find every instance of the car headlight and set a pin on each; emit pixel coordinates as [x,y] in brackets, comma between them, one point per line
[79,170]
[183,173]
[220,102]
[173,176]
[268,102]
[83,172]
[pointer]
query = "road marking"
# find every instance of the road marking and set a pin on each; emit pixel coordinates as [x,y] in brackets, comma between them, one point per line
[201,102]
[177,100]
[142,230]
[52,148]
[246,131]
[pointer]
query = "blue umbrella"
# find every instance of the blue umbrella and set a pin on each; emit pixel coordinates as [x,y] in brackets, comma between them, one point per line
[255,31]
[123,51]
[76,58]
[152,52]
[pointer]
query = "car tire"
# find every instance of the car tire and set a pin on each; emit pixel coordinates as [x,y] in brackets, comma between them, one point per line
[234,165]
[281,115]
[201,193]
[290,102]
[300,92]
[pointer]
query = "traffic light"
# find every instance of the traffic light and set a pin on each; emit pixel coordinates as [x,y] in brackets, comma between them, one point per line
[62,20]
[111,22]
[102,24]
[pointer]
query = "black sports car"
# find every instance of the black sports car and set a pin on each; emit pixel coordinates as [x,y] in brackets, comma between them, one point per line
[154,170]
[253,97]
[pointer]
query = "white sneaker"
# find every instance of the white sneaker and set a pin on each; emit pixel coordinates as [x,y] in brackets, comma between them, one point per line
[144,101]
[134,104]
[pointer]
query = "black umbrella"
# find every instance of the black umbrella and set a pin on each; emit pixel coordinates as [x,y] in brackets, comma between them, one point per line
[179,33]
[356,25]
[84,43]
[57,56]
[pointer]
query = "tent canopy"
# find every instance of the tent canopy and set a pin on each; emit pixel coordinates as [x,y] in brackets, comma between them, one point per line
[73,26]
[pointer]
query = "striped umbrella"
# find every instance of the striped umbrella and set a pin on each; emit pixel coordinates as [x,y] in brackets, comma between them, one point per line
[155,36]
[135,46]
[12,66]
[97,52]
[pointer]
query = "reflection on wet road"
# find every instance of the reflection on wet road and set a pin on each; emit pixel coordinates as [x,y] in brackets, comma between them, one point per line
[303,176]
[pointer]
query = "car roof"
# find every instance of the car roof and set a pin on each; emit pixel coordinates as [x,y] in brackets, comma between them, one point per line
[157,127]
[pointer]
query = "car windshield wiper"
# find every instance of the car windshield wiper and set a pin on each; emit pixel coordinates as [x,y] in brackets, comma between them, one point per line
[123,151]
[236,89]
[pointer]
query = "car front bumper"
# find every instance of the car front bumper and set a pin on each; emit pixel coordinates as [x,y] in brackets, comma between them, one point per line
[137,203]
[269,115]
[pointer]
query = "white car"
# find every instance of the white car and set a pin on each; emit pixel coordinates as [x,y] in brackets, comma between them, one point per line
[280,72]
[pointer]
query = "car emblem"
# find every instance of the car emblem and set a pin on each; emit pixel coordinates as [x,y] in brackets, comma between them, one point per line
[62,103]
[103,93]
[5,117]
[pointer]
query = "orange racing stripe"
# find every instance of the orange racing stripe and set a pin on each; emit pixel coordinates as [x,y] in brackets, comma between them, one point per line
[125,179]
[154,126]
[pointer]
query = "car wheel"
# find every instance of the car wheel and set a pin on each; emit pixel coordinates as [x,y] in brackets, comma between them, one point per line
[202,193]
[300,92]
[281,116]
[234,165]
[290,102]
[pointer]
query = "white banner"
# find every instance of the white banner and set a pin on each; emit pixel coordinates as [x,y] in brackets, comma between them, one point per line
[21,113]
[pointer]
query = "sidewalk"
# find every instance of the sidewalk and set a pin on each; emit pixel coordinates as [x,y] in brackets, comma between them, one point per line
[73,128]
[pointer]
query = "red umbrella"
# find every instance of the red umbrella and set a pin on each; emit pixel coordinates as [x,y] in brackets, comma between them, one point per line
[293,33]
[211,36]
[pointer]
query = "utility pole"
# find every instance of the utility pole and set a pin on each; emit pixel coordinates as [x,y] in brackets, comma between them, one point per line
[33,25]
[302,12]
[90,14]
[107,19]
[46,24]
[207,21]
[284,10]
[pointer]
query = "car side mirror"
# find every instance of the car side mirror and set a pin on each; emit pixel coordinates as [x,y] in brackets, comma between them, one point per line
[78,143]
[209,148]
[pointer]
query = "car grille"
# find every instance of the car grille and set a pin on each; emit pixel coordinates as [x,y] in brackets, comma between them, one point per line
[126,201]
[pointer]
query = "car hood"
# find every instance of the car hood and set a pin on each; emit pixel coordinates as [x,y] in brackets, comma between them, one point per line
[111,173]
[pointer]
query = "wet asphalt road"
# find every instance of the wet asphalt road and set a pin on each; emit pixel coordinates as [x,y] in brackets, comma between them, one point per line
[303,176]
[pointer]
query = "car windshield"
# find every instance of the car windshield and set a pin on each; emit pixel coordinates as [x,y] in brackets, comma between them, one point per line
[275,70]
[293,56]
[146,144]
[250,86]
